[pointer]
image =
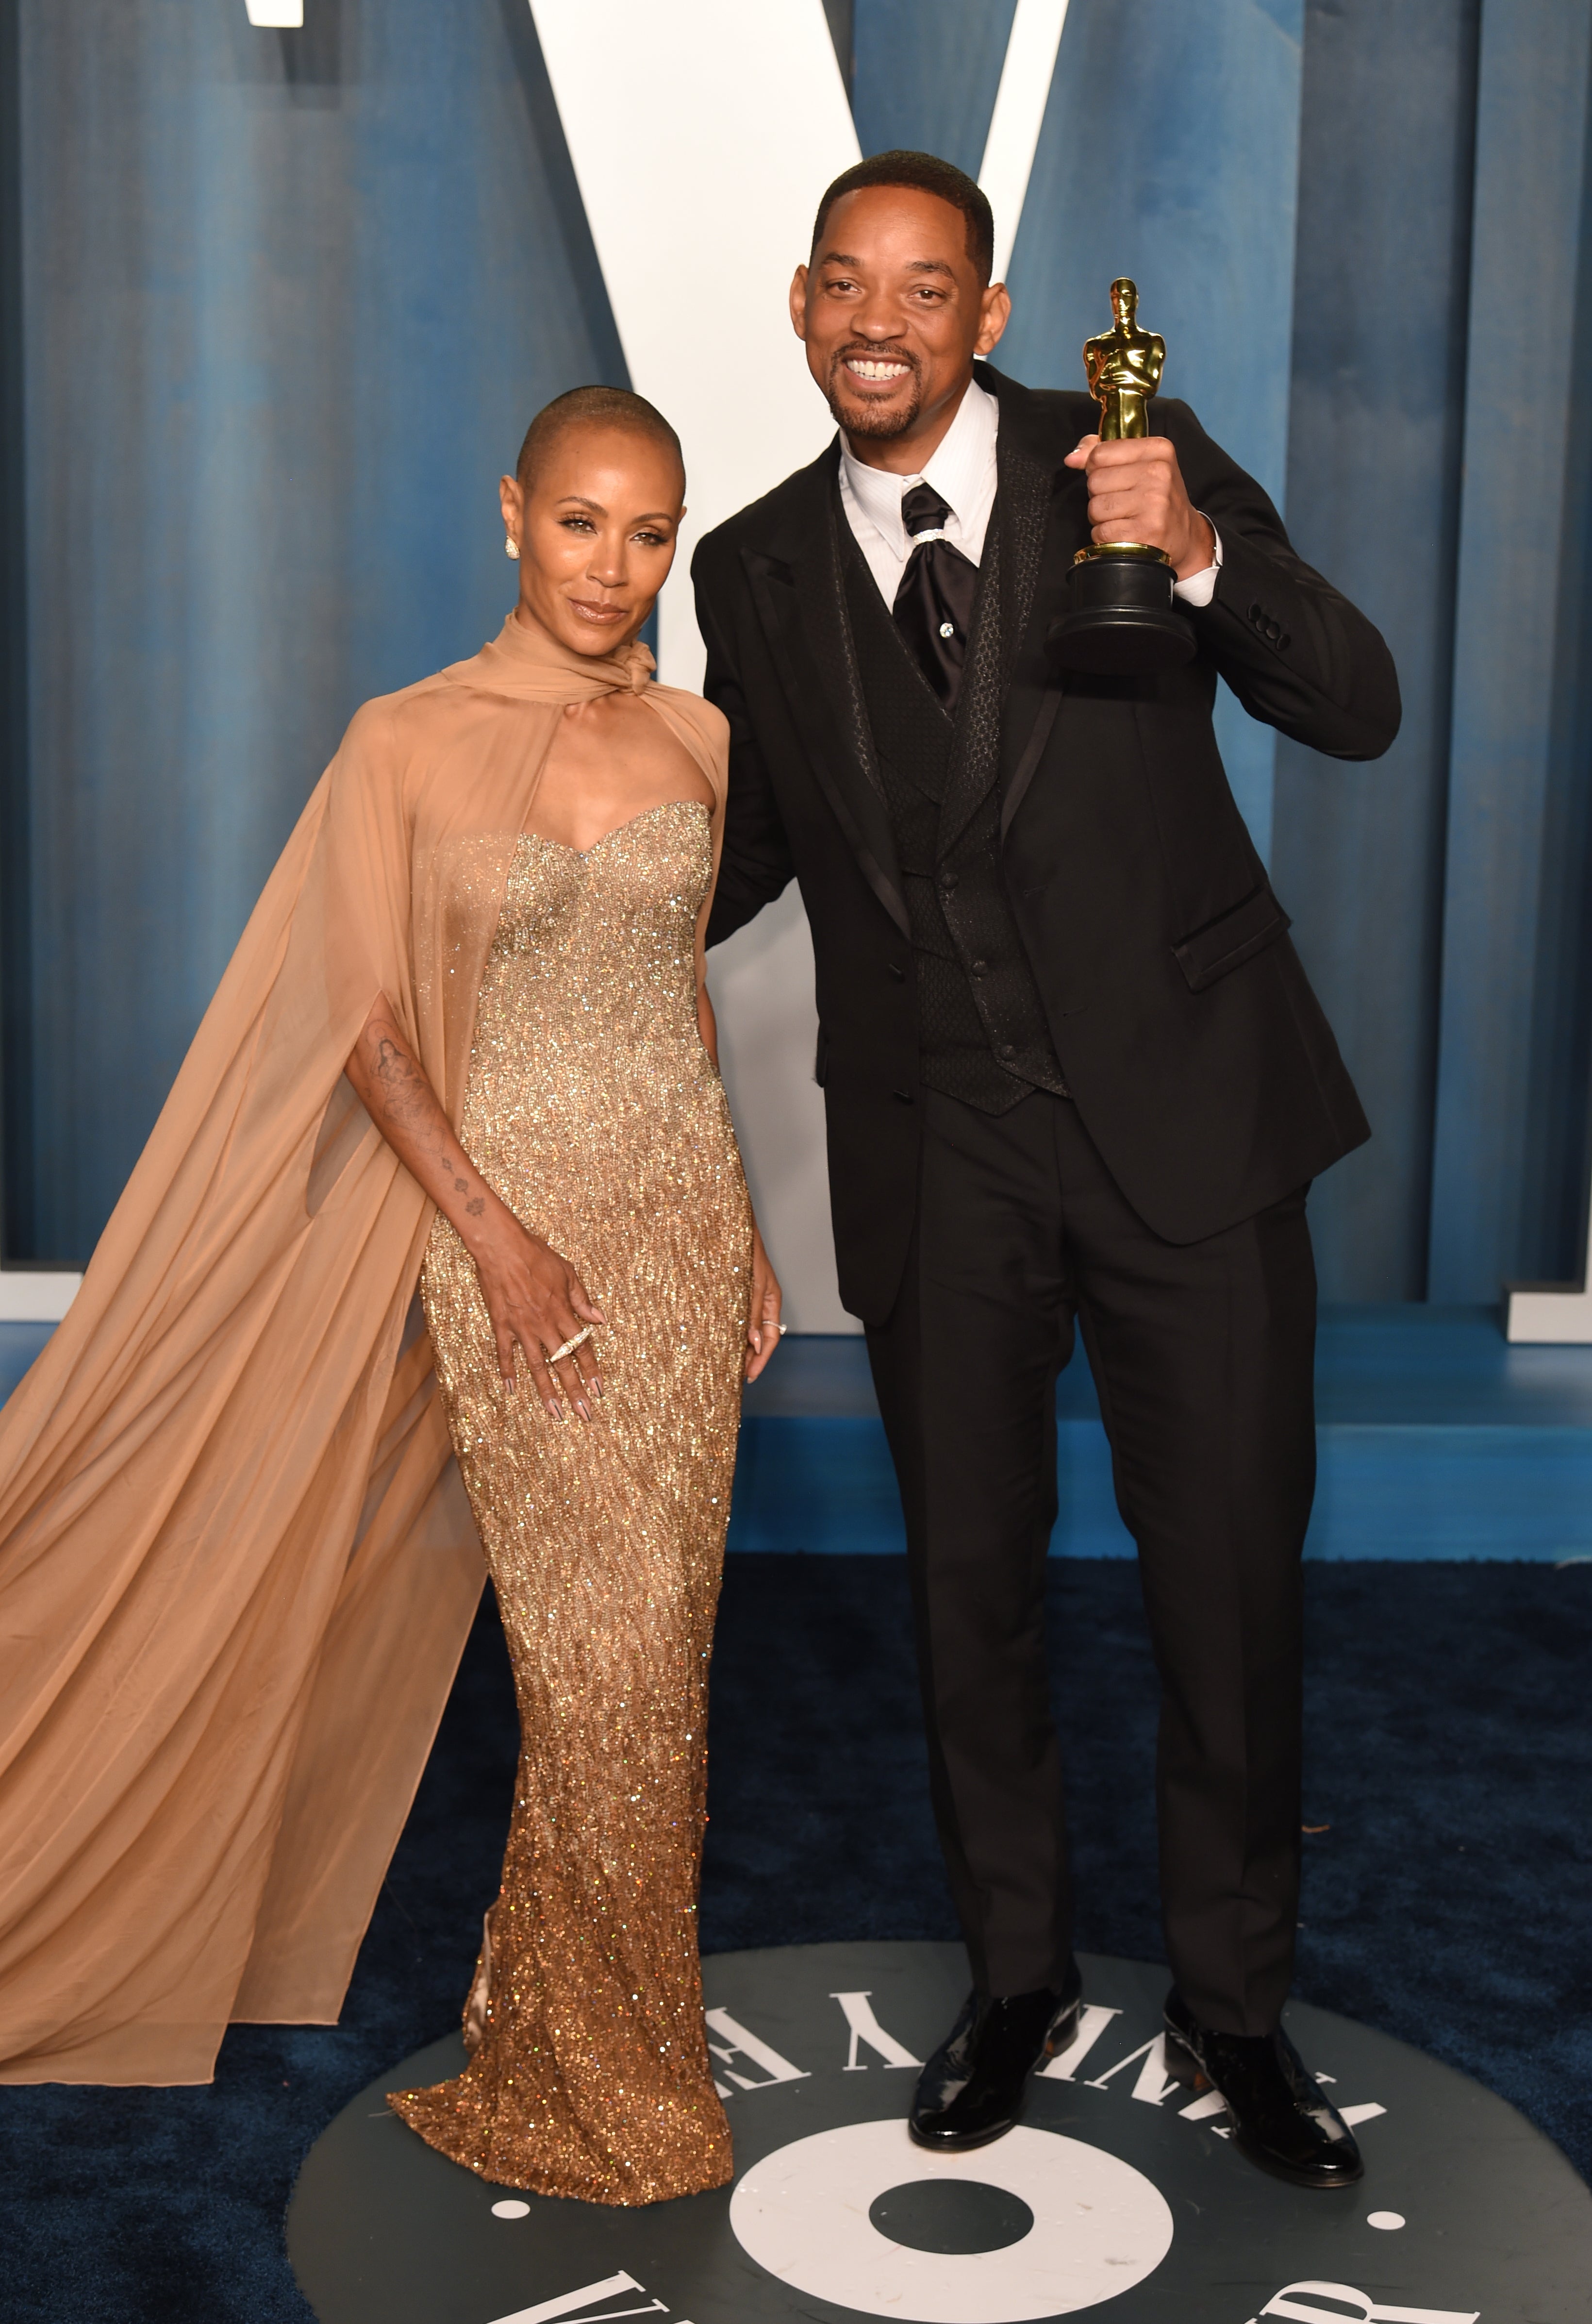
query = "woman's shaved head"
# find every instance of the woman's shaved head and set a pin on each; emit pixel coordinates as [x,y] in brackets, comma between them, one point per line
[593,513]
[609,408]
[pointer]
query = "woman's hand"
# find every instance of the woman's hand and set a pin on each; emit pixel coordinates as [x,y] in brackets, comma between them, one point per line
[762,1323]
[537,1302]
[535,1299]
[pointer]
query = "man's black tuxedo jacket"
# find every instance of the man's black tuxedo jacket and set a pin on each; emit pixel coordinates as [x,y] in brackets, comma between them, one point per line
[1198,1057]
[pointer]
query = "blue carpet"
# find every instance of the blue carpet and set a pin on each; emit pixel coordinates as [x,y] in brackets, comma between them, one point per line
[1447,1901]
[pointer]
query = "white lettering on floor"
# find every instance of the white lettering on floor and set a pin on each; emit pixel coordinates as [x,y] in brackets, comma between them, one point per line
[1289,2304]
[1203,2108]
[735,2041]
[865,2028]
[1092,2021]
[1152,2086]
[569,2303]
[1153,2082]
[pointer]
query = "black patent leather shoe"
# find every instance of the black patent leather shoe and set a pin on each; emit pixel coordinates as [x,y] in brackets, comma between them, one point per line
[971,2089]
[1280,2120]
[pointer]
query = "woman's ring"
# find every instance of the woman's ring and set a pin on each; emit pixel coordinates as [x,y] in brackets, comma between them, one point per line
[782,1329]
[570,1346]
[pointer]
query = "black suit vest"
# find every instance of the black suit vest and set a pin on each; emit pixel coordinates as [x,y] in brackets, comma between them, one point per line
[983,1033]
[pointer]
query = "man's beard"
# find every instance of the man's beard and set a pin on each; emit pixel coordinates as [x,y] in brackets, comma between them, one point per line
[870,419]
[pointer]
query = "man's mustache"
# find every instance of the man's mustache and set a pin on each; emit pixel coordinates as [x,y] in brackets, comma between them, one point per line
[874,355]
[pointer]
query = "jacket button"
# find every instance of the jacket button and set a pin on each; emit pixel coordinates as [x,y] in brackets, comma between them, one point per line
[897,971]
[1284,643]
[978,967]
[1256,616]
[1008,1049]
[947,883]
[904,1097]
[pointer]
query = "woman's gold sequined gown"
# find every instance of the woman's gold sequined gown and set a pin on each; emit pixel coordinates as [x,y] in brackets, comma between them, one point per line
[594,1111]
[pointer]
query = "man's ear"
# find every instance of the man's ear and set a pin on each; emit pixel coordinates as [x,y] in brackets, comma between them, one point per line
[994,314]
[798,302]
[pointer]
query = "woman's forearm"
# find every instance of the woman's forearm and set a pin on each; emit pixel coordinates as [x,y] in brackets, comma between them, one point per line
[390,1084]
[537,1302]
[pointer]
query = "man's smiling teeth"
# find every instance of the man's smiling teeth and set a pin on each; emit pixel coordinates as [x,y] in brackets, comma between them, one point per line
[861,367]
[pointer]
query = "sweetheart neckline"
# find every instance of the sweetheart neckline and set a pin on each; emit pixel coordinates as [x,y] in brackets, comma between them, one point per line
[613,830]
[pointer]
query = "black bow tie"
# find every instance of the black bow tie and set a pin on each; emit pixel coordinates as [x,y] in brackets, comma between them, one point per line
[933,608]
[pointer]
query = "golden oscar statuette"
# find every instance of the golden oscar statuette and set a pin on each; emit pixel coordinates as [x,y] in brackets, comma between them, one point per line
[1123,618]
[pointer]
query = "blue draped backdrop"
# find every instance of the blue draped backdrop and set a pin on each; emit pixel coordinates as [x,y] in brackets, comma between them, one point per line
[275,307]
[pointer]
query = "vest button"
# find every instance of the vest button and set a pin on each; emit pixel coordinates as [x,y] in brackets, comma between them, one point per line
[897,971]
[904,1097]
[947,628]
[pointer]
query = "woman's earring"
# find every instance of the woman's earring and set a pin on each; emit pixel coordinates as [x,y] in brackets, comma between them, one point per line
[511,546]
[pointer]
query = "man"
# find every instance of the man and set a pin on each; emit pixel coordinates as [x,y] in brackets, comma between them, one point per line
[1073,1073]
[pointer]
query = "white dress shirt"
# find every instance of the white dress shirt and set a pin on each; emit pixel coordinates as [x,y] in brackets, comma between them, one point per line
[963,470]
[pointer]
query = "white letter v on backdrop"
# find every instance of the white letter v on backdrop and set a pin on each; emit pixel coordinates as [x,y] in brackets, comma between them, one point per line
[702,133]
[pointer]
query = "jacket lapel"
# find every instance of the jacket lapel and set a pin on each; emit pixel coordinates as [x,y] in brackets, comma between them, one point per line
[796,586]
[1041,436]
[1013,555]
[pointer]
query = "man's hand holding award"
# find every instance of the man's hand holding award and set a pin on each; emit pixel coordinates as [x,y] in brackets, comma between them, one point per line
[1122,618]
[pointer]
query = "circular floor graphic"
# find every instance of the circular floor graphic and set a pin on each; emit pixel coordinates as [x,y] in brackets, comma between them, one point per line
[1119,2199]
[1037,2225]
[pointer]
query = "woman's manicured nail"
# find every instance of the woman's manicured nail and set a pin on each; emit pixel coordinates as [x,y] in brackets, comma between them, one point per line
[584,1409]
[557,1410]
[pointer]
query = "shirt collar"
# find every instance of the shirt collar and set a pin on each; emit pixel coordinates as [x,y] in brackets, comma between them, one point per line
[957,468]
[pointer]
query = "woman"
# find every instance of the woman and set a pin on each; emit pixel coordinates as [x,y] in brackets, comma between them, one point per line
[593,1109]
[234,1583]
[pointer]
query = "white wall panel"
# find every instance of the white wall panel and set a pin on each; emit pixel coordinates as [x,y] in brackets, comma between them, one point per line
[703,132]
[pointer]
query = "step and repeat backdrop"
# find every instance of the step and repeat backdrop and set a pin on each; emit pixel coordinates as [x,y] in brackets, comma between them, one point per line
[281,297]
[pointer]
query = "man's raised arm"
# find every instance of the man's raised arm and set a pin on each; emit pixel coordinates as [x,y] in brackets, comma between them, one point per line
[1295,651]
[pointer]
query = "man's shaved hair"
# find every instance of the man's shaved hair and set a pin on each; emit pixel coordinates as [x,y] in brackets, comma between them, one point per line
[929,175]
[592,407]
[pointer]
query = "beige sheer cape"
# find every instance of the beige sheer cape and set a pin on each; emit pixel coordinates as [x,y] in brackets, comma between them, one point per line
[236,1564]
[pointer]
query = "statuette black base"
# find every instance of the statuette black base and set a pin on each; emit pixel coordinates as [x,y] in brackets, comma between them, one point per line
[1122,620]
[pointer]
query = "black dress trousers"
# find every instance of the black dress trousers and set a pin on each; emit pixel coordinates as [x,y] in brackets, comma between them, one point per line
[1203,1355]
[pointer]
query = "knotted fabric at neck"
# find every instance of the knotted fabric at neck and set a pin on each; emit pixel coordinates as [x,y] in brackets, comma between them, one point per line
[933,608]
[527,660]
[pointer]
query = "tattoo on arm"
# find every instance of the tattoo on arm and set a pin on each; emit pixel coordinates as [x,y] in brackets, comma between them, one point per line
[411,1104]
